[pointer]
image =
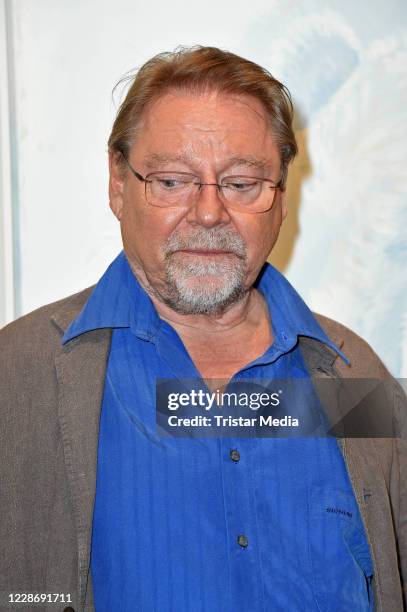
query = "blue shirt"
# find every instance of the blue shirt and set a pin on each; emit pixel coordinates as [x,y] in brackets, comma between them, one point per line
[184,524]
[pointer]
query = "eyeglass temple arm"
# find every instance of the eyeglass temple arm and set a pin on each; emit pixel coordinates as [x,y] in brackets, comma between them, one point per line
[136,174]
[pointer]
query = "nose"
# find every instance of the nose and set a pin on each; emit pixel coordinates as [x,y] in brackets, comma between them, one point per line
[208,210]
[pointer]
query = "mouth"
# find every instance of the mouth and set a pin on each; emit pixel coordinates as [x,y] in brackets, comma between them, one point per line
[205,252]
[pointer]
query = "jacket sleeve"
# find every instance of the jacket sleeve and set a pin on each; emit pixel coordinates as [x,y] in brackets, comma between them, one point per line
[389,456]
[398,489]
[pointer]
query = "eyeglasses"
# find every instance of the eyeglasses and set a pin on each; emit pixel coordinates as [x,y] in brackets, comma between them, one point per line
[248,194]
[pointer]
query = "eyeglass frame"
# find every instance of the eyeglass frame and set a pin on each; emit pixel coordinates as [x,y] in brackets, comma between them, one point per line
[145,180]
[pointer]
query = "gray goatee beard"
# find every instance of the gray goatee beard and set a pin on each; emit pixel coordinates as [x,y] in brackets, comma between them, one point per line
[196,286]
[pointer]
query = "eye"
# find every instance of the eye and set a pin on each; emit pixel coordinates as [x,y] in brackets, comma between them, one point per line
[239,184]
[170,182]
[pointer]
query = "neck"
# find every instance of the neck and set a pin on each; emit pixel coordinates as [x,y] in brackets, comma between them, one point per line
[236,314]
[220,344]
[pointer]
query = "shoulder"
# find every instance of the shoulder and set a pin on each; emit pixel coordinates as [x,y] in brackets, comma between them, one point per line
[35,334]
[364,362]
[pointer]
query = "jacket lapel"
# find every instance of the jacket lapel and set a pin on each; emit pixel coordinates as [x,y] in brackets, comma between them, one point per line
[80,367]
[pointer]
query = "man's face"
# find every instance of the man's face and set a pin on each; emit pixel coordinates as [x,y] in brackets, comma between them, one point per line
[201,258]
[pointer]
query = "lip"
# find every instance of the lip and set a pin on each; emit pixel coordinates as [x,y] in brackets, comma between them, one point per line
[204,252]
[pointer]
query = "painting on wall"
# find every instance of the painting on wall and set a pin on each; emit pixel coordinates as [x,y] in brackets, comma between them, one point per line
[344,246]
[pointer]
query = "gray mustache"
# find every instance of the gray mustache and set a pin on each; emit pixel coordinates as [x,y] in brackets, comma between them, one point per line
[208,239]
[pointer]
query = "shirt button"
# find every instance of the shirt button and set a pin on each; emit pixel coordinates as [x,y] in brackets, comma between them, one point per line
[243,541]
[235,455]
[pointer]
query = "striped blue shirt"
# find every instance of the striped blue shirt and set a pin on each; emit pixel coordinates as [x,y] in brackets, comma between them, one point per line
[220,524]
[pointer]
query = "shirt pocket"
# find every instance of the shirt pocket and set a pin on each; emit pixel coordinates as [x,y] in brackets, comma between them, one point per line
[339,552]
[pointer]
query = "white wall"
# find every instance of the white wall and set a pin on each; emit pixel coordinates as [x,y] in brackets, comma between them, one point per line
[7,238]
[344,245]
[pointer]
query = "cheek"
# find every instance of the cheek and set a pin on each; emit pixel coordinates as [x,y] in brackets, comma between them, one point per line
[259,235]
[145,229]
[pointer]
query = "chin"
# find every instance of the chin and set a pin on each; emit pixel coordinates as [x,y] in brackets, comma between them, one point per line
[204,294]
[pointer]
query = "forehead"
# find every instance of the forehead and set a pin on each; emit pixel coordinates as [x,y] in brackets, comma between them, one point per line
[205,124]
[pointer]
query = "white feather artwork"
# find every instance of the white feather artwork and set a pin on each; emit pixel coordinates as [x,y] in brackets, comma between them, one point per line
[349,259]
[359,195]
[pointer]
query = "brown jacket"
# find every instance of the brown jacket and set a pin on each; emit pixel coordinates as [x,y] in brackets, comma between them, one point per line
[50,402]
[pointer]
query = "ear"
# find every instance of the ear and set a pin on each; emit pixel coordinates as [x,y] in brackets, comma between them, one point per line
[116,183]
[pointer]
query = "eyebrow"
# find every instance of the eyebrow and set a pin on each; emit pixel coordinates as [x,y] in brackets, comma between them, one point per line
[161,158]
[152,160]
[251,161]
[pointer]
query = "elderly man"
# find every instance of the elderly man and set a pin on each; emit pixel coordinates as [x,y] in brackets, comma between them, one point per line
[100,512]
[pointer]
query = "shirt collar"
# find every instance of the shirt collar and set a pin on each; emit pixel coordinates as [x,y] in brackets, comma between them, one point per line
[290,315]
[118,300]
